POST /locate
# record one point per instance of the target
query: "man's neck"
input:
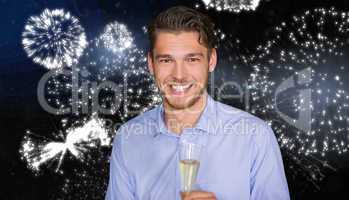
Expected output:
(176, 120)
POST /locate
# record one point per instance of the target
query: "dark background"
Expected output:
(19, 76)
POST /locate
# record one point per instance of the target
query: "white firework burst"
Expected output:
(113, 57)
(37, 151)
(232, 5)
(298, 85)
(137, 89)
(54, 39)
(300, 56)
(116, 38)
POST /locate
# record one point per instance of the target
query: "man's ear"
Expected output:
(213, 60)
(150, 63)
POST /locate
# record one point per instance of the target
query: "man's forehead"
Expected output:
(165, 33)
(178, 38)
(182, 43)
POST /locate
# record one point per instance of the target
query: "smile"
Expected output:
(180, 88)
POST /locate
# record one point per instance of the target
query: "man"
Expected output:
(240, 157)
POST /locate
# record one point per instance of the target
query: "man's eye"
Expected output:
(193, 59)
(165, 60)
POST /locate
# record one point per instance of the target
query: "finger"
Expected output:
(198, 194)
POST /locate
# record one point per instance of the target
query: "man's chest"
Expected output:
(224, 169)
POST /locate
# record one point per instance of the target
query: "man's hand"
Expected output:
(198, 195)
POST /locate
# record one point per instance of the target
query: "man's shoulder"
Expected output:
(235, 115)
(233, 120)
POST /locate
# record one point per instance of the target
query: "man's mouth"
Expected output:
(180, 88)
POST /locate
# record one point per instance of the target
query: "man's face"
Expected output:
(181, 65)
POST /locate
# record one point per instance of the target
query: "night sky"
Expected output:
(245, 39)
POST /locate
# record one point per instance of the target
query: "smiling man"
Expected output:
(240, 157)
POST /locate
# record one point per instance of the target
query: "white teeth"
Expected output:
(180, 88)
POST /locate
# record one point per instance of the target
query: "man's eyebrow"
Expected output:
(163, 56)
(187, 55)
(195, 54)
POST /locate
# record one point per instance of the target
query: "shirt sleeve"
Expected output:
(268, 180)
(120, 185)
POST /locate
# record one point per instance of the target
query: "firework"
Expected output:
(298, 85)
(232, 5)
(54, 39)
(36, 150)
(107, 78)
(122, 66)
(104, 82)
(113, 52)
(116, 38)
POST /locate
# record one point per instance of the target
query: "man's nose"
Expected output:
(179, 70)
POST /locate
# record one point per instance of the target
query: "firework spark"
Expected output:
(113, 52)
(54, 39)
(137, 88)
(100, 70)
(105, 82)
(304, 101)
(125, 66)
(37, 151)
(232, 5)
(116, 38)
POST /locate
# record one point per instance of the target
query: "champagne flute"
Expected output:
(189, 165)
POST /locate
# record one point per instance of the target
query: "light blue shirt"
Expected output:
(240, 160)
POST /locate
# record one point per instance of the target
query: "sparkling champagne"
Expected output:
(188, 170)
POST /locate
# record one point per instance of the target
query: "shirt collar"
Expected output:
(207, 116)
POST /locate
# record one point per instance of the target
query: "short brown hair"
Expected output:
(181, 18)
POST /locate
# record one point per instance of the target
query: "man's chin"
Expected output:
(180, 103)
(179, 106)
